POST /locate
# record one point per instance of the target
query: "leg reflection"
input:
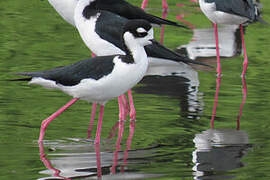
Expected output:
(244, 90)
(128, 144)
(218, 80)
(118, 146)
(48, 164)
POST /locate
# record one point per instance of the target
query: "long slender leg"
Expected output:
(218, 80)
(125, 106)
(244, 90)
(217, 50)
(47, 121)
(93, 115)
(122, 114)
(132, 106)
(245, 63)
(101, 112)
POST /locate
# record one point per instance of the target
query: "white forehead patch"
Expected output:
(141, 30)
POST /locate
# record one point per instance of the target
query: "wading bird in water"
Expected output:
(101, 78)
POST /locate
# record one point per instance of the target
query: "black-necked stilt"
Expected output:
(236, 12)
(101, 78)
(100, 30)
(66, 8)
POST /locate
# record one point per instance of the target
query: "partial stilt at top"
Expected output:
(232, 12)
(47, 121)
(245, 63)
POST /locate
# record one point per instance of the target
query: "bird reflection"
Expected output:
(88, 160)
(174, 80)
(218, 151)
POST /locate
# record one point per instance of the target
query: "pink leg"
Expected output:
(144, 4)
(47, 121)
(122, 115)
(216, 101)
(93, 114)
(164, 5)
(118, 145)
(164, 15)
(125, 105)
(243, 102)
(245, 63)
(217, 49)
(99, 171)
(132, 107)
(101, 112)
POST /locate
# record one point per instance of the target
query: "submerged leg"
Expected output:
(101, 112)
(47, 121)
(217, 50)
(93, 115)
(245, 63)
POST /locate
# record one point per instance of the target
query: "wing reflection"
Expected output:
(203, 42)
(177, 80)
(218, 151)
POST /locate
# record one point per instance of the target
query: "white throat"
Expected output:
(135, 47)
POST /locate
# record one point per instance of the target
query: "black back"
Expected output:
(71, 75)
(244, 8)
(127, 10)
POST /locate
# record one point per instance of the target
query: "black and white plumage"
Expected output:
(102, 78)
(121, 7)
(230, 11)
(100, 30)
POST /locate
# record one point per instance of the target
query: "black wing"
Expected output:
(129, 11)
(244, 8)
(71, 75)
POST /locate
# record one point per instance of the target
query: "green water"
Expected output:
(34, 37)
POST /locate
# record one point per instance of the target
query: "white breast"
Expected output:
(93, 41)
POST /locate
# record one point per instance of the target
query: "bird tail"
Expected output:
(23, 74)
